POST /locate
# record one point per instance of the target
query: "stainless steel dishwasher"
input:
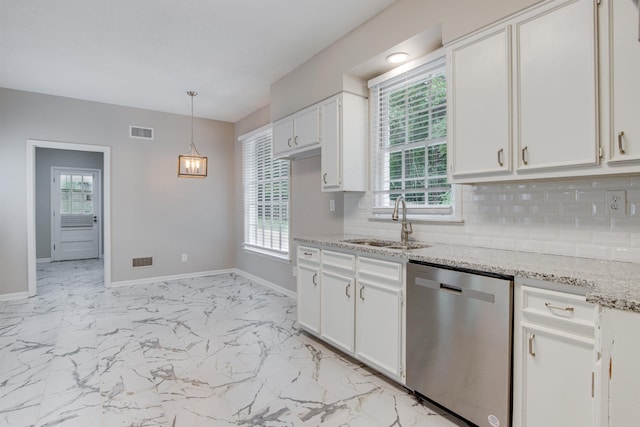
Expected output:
(459, 341)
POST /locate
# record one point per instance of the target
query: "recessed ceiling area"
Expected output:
(148, 53)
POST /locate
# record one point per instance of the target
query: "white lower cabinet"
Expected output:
(337, 310)
(620, 368)
(379, 326)
(556, 388)
(361, 308)
(555, 358)
(308, 284)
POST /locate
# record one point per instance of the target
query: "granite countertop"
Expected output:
(610, 283)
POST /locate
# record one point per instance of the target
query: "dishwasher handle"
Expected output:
(450, 288)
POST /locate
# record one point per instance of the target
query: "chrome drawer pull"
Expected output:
(346, 290)
(524, 155)
(289, 142)
(313, 279)
(555, 307)
(361, 289)
(500, 154)
(307, 254)
(531, 338)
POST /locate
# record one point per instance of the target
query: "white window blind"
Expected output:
(266, 195)
(409, 129)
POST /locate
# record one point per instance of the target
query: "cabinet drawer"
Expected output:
(308, 255)
(339, 260)
(543, 303)
(385, 271)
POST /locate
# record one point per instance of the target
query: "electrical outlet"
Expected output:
(617, 202)
(185, 257)
(332, 205)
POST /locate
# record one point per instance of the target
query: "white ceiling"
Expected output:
(148, 53)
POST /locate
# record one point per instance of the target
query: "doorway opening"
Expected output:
(79, 194)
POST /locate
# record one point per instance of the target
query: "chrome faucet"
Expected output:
(406, 226)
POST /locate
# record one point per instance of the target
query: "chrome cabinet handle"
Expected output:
(295, 140)
(555, 307)
(531, 338)
(289, 142)
(346, 290)
(307, 254)
(324, 178)
(500, 154)
(524, 155)
(361, 296)
(620, 135)
(313, 279)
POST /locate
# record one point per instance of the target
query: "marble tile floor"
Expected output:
(209, 351)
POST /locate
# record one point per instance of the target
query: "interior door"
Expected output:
(75, 208)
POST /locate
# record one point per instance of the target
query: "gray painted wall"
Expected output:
(325, 74)
(153, 212)
(45, 159)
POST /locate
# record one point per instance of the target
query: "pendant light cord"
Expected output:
(192, 94)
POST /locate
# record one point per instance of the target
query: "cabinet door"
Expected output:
(309, 298)
(307, 127)
(625, 69)
(282, 136)
(330, 151)
(338, 310)
(556, 86)
(379, 326)
(621, 370)
(557, 375)
(480, 104)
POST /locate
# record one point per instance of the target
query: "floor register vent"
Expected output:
(139, 132)
(142, 262)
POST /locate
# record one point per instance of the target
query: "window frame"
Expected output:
(264, 135)
(452, 213)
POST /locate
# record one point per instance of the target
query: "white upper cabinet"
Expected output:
(479, 77)
(624, 57)
(523, 96)
(297, 135)
(344, 143)
(556, 86)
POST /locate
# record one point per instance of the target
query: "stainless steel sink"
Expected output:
(389, 244)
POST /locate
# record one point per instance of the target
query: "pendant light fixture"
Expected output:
(192, 164)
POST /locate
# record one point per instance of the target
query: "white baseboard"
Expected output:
(43, 260)
(239, 272)
(266, 283)
(15, 295)
(156, 279)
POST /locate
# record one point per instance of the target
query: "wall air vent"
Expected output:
(142, 262)
(139, 132)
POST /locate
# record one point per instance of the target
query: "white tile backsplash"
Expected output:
(566, 217)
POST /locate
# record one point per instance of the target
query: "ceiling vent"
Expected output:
(139, 132)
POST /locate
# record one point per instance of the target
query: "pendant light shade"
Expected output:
(192, 164)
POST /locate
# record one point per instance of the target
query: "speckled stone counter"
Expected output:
(610, 283)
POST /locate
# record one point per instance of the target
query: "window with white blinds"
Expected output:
(409, 131)
(266, 195)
